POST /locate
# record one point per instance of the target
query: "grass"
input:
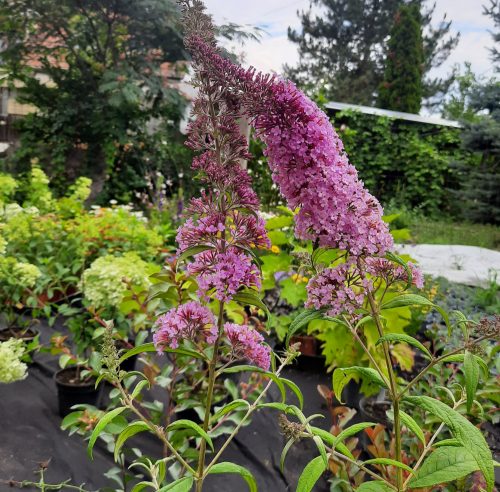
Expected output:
(427, 231)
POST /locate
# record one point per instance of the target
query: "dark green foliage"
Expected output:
(480, 195)
(493, 11)
(401, 89)
(403, 162)
(343, 49)
(96, 82)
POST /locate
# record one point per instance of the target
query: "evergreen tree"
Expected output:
(343, 47)
(401, 89)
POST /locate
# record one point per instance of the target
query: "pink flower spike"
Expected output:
(248, 343)
(190, 321)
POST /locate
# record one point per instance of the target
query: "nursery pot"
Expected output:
(310, 358)
(71, 390)
(374, 408)
(25, 334)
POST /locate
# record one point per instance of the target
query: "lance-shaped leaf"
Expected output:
(375, 486)
(287, 447)
(469, 436)
(461, 358)
(181, 485)
(105, 420)
(295, 389)
(412, 425)
(270, 375)
(302, 320)
(388, 462)
(471, 370)
(343, 375)
(402, 337)
(188, 424)
(311, 474)
(250, 298)
(150, 347)
(416, 300)
(400, 261)
(350, 431)
(229, 407)
(444, 465)
(329, 439)
(193, 250)
(129, 431)
(226, 467)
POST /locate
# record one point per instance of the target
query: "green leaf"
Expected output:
(188, 424)
(181, 485)
(288, 445)
(250, 297)
(301, 320)
(375, 486)
(278, 238)
(129, 431)
(141, 486)
(226, 467)
(402, 337)
(270, 375)
(295, 389)
(232, 405)
(469, 436)
(471, 370)
(329, 439)
(138, 388)
(400, 261)
(103, 422)
(343, 375)
(446, 442)
(311, 474)
(279, 222)
(412, 425)
(388, 462)
(445, 464)
(150, 347)
(461, 358)
(416, 300)
(193, 250)
(321, 448)
(350, 431)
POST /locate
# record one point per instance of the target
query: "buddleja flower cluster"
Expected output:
(223, 224)
(309, 165)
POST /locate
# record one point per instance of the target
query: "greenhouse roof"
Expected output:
(398, 115)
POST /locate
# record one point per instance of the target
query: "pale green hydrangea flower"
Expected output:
(3, 246)
(103, 284)
(26, 274)
(11, 367)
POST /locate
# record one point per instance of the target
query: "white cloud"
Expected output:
(276, 15)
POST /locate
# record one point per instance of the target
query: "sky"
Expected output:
(275, 16)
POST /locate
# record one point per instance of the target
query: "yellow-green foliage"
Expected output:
(38, 193)
(104, 284)
(11, 367)
(8, 186)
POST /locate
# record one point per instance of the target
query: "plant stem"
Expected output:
(155, 429)
(249, 412)
(433, 362)
(212, 376)
(393, 387)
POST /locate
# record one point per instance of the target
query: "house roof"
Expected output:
(398, 115)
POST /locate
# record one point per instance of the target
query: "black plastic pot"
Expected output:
(73, 391)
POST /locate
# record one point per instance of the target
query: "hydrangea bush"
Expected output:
(221, 241)
(11, 367)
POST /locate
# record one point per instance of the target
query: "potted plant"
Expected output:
(17, 280)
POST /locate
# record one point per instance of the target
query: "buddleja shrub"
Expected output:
(219, 241)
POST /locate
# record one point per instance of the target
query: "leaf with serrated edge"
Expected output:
(469, 436)
(105, 420)
(342, 375)
(226, 467)
(444, 465)
(311, 474)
